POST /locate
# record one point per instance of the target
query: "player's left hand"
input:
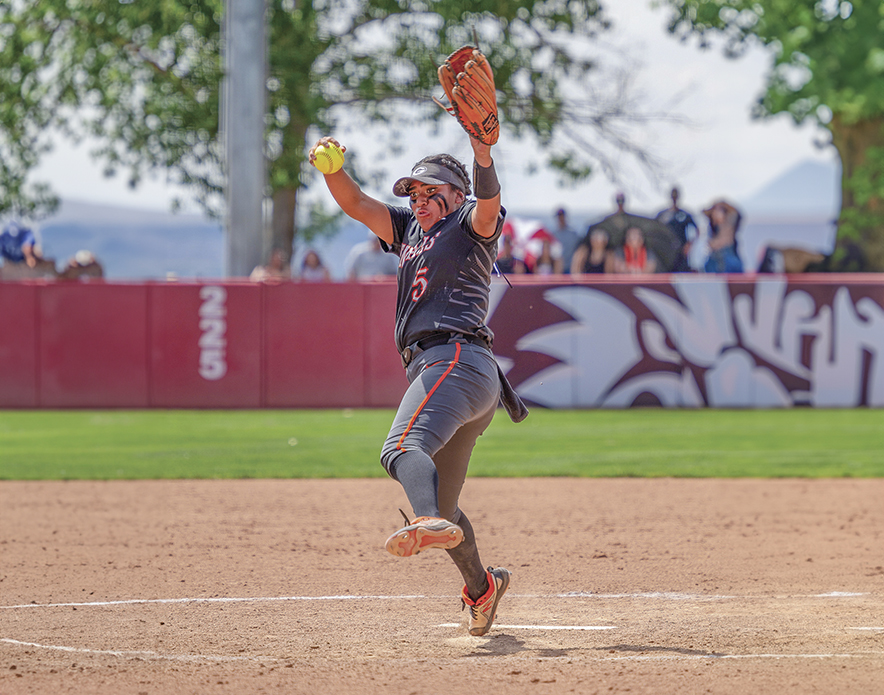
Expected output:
(481, 151)
(468, 81)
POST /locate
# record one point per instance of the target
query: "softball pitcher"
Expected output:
(447, 244)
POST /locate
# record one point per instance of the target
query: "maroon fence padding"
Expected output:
(385, 376)
(314, 345)
(206, 346)
(18, 345)
(93, 346)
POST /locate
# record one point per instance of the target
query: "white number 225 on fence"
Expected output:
(213, 324)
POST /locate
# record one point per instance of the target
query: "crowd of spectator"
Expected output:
(626, 243)
(671, 241)
(366, 261)
(278, 268)
(621, 242)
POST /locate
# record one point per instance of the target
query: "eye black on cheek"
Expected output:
(440, 201)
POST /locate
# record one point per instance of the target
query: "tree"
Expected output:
(828, 68)
(143, 78)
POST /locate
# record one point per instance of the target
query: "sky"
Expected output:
(722, 153)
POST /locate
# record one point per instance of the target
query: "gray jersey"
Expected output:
(444, 275)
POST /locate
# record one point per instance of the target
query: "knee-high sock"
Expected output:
(417, 474)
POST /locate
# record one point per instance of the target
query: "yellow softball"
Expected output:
(329, 158)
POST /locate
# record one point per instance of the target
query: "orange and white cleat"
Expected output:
(484, 608)
(424, 533)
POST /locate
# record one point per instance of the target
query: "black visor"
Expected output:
(432, 174)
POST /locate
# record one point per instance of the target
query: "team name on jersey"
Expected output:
(411, 252)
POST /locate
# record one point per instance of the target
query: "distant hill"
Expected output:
(809, 190)
(795, 208)
(135, 244)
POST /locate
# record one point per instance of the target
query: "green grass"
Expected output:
(140, 444)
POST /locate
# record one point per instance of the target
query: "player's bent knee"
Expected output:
(389, 454)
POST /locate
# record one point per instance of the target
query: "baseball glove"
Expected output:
(468, 82)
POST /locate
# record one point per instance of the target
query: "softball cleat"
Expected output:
(484, 608)
(424, 533)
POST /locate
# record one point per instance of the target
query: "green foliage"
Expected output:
(319, 222)
(346, 444)
(827, 67)
(827, 56)
(865, 186)
(143, 78)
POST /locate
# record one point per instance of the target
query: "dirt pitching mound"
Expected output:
(640, 586)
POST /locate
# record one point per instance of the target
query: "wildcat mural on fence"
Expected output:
(693, 342)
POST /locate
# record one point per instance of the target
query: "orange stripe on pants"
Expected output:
(427, 397)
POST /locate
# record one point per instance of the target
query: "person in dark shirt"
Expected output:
(593, 254)
(507, 261)
(447, 245)
(567, 237)
(682, 225)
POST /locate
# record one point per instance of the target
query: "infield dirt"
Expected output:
(283, 586)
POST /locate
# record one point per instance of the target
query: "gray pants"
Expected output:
(454, 393)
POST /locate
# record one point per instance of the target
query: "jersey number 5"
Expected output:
(419, 284)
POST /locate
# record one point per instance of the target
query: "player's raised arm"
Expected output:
(468, 81)
(487, 189)
(327, 155)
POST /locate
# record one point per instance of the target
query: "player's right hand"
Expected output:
(322, 142)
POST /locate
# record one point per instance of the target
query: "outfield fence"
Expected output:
(741, 341)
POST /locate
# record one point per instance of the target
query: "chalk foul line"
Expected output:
(138, 654)
(685, 657)
(246, 599)
(654, 595)
(155, 656)
(542, 627)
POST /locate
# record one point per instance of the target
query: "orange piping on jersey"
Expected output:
(427, 397)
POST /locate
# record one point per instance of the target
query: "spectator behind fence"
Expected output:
(683, 227)
(507, 261)
(634, 257)
(83, 265)
(567, 237)
(22, 258)
(19, 245)
(313, 269)
(724, 223)
(546, 263)
(593, 254)
(277, 268)
(368, 261)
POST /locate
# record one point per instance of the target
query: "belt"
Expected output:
(431, 341)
